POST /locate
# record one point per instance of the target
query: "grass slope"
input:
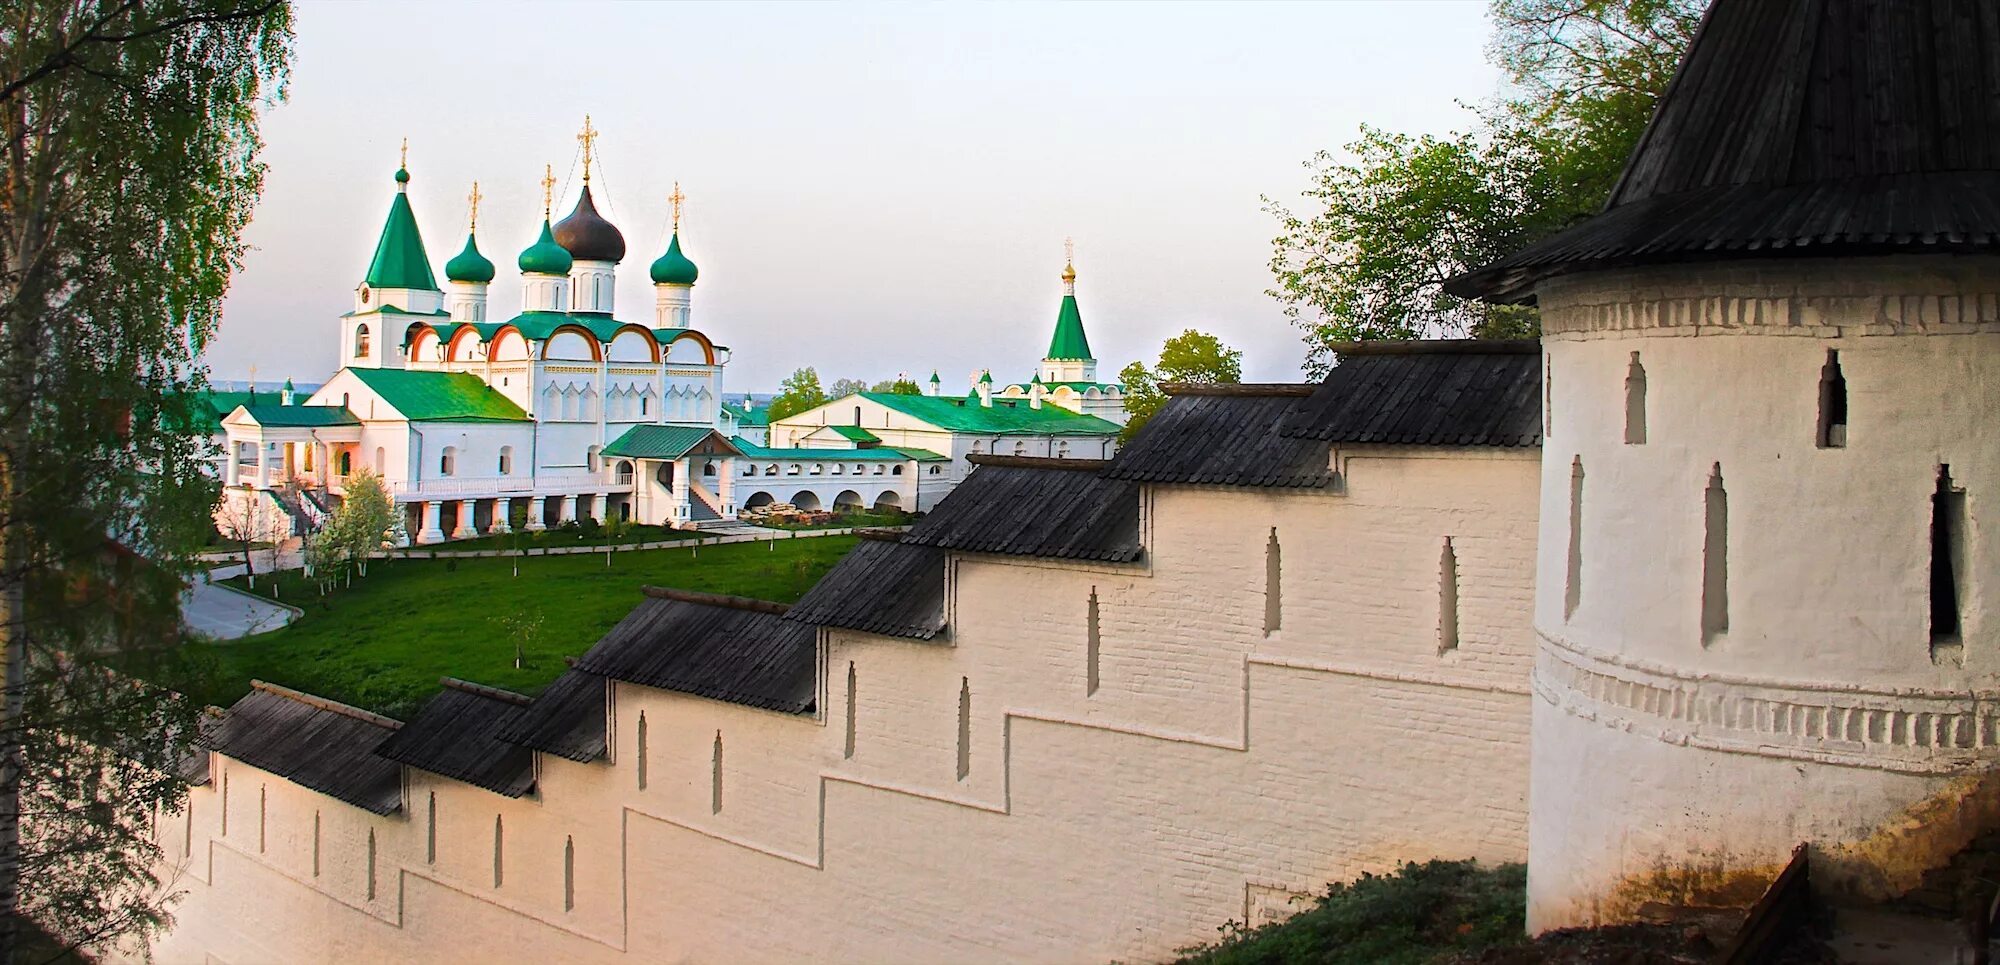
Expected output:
(383, 643)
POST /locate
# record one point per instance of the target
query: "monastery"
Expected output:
(566, 410)
(1699, 578)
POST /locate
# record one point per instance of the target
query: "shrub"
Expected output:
(1417, 914)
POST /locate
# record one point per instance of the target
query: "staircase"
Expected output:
(702, 506)
(307, 517)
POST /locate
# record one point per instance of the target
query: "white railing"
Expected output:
(473, 486)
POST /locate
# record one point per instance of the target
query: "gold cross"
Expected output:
(1069, 251)
(548, 188)
(587, 138)
(405, 162)
(474, 199)
(676, 199)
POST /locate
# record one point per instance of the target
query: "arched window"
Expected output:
(935, 470)
(448, 461)
(361, 340)
(1020, 448)
(771, 470)
(708, 468)
(818, 468)
(895, 470)
(381, 460)
(346, 461)
(590, 459)
(506, 460)
(749, 469)
(624, 470)
(878, 470)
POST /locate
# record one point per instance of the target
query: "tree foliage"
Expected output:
(128, 138)
(842, 388)
(800, 391)
(1190, 357)
(900, 385)
(1384, 225)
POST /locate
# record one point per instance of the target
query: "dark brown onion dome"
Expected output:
(587, 236)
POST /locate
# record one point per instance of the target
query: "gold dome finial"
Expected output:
(677, 199)
(548, 189)
(473, 200)
(1069, 266)
(587, 138)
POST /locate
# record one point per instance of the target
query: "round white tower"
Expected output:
(1760, 589)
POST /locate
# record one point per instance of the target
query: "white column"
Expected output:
(229, 461)
(433, 531)
(568, 512)
(682, 512)
(464, 529)
(535, 511)
(502, 508)
(726, 489)
(263, 464)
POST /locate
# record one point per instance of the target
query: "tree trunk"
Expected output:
(13, 652)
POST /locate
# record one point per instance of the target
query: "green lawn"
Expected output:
(383, 643)
(574, 536)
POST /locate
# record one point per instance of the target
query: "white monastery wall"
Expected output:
(1214, 770)
(1678, 760)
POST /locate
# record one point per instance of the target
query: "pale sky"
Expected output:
(873, 188)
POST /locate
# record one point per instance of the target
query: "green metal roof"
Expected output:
(469, 264)
(1069, 342)
(545, 257)
(855, 434)
(1006, 417)
(393, 310)
(755, 451)
(400, 259)
(658, 442)
(922, 455)
(214, 404)
(674, 268)
(752, 416)
(274, 416)
(440, 396)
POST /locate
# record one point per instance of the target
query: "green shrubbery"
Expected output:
(1419, 914)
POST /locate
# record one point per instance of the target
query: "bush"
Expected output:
(1418, 914)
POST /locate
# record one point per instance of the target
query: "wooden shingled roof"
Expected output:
(1799, 128)
(883, 586)
(313, 742)
(723, 648)
(1226, 436)
(1443, 393)
(566, 720)
(1026, 506)
(457, 735)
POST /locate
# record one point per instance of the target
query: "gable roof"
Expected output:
(457, 735)
(566, 719)
(313, 742)
(874, 454)
(722, 648)
(882, 585)
(668, 442)
(275, 416)
(440, 396)
(1802, 128)
(400, 259)
(213, 405)
(1003, 418)
(1440, 393)
(1021, 506)
(852, 433)
(1226, 435)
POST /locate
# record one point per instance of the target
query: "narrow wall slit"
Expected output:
(1832, 433)
(1447, 598)
(1091, 644)
(964, 727)
(1573, 574)
(431, 830)
(848, 751)
(1714, 559)
(498, 841)
(1548, 398)
(641, 751)
(1947, 568)
(260, 818)
(569, 873)
(1635, 403)
(315, 844)
(1273, 570)
(371, 864)
(715, 778)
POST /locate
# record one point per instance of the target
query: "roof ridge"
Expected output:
(482, 690)
(1440, 346)
(322, 703)
(1241, 389)
(1035, 462)
(715, 599)
(880, 535)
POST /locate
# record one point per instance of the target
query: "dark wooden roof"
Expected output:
(1446, 393)
(883, 586)
(313, 742)
(1226, 436)
(1019, 506)
(722, 648)
(1802, 127)
(566, 720)
(457, 735)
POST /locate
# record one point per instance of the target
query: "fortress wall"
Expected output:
(1215, 772)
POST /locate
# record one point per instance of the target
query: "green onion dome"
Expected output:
(469, 265)
(402, 175)
(674, 268)
(545, 257)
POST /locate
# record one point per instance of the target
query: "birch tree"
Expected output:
(128, 168)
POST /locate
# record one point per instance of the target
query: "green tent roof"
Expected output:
(440, 396)
(1069, 342)
(400, 259)
(274, 416)
(1006, 417)
(658, 442)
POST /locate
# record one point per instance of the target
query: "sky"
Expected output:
(873, 189)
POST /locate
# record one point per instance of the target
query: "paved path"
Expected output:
(221, 613)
